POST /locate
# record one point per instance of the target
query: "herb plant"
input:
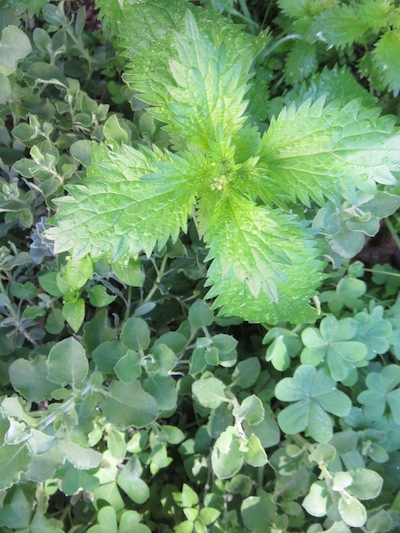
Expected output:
(126, 403)
(239, 186)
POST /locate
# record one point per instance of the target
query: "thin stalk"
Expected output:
(393, 232)
(280, 41)
(158, 279)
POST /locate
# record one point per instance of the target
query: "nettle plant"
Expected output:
(252, 196)
(150, 413)
(366, 30)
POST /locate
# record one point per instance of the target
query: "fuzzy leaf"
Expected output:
(207, 99)
(14, 45)
(253, 276)
(13, 461)
(315, 152)
(375, 14)
(67, 363)
(129, 202)
(300, 62)
(386, 59)
(150, 32)
(129, 405)
(339, 26)
(333, 84)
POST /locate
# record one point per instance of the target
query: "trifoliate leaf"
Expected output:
(314, 394)
(324, 152)
(333, 343)
(386, 59)
(129, 202)
(252, 275)
(382, 389)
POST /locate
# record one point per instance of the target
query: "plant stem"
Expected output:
(158, 279)
(393, 232)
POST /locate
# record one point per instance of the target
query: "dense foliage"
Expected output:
(223, 163)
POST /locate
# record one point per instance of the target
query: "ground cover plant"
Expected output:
(186, 341)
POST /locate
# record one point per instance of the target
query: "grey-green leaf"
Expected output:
(67, 363)
(129, 405)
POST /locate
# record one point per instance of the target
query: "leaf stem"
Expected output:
(157, 280)
(280, 41)
(393, 232)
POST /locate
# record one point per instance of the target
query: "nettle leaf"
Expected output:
(316, 151)
(314, 395)
(333, 343)
(170, 28)
(192, 66)
(382, 391)
(339, 26)
(152, 195)
(333, 84)
(252, 274)
(300, 62)
(386, 60)
(207, 101)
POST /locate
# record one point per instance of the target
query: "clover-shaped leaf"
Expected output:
(332, 343)
(381, 391)
(373, 331)
(314, 393)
